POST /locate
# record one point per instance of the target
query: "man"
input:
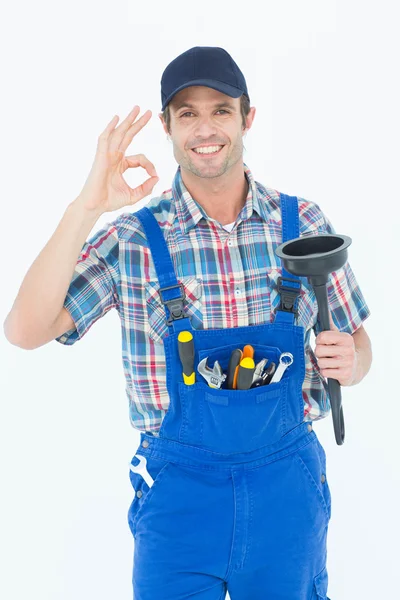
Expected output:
(231, 492)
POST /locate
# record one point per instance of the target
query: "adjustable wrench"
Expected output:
(141, 468)
(215, 377)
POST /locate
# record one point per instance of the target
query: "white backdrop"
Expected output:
(323, 77)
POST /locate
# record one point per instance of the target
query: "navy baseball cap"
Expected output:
(203, 65)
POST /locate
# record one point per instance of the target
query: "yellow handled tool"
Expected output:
(186, 354)
(245, 373)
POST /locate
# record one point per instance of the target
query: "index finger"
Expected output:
(134, 129)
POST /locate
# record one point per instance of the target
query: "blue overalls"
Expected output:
(235, 496)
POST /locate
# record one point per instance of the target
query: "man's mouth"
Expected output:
(208, 150)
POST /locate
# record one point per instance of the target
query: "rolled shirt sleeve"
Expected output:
(93, 290)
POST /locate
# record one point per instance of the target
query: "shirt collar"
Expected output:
(189, 212)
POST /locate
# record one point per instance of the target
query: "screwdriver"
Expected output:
(233, 366)
(235, 358)
(245, 373)
(186, 354)
(248, 350)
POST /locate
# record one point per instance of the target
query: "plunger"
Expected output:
(315, 257)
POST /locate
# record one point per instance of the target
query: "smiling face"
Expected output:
(202, 116)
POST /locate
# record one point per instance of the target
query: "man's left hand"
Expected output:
(337, 355)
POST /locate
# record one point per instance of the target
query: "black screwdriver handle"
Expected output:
(245, 373)
(186, 354)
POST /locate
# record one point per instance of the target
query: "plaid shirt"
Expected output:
(230, 280)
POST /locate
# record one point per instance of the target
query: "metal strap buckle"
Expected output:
(175, 305)
(288, 295)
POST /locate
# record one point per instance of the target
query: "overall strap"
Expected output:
(171, 292)
(289, 285)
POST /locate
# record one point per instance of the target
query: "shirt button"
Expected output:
(230, 243)
(309, 427)
(238, 292)
(323, 478)
(139, 493)
(145, 444)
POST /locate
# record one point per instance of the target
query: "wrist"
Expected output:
(80, 204)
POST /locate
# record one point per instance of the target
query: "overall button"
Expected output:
(309, 427)
(145, 443)
(323, 478)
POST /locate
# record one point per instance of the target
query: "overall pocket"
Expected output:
(311, 460)
(145, 492)
(223, 354)
(232, 421)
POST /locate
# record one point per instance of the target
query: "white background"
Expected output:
(322, 76)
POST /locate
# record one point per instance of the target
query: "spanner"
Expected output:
(215, 376)
(285, 360)
(141, 468)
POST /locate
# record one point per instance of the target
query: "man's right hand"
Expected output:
(105, 189)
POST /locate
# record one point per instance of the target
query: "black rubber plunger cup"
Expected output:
(315, 257)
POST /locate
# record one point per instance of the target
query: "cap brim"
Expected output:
(229, 90)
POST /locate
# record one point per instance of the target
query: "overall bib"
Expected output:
(235, 497)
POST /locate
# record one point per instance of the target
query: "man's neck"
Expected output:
(223, 197)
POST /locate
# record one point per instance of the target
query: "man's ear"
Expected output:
(163, 123)
(250, 118)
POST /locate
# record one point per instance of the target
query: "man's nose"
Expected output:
(205, 127)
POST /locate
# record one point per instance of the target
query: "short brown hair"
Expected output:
(244, 109)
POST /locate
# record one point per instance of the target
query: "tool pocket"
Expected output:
(311, 460)
(232, 421)
(320, 588)
(144, 493)
(223, 353)
(192, 303)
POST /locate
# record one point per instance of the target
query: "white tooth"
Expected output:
(208, 150)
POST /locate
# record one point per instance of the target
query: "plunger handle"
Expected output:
(335, 394)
